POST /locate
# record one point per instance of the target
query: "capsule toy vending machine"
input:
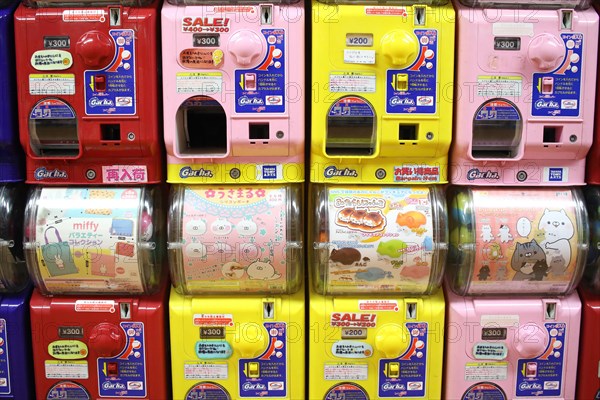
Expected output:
(525, 100)
(98, 316)
(234, 134)
(381, 116)
(16, 367)
(88, 91)
(513, 318)
(588, 379)
(237, 306)
(233, 89)
(11, 168)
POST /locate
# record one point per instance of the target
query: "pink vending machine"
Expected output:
(526, 78)
(233, 81)
(512, 323)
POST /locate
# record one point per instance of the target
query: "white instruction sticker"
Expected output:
(199, 370)
(495, 86)
(51, 84)
(66, 369)
(352, 82)
(359, 56)
(346, 372)
(490, 371)
(199, 82)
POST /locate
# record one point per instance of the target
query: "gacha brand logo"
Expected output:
(113, 386)
(530, 386)
(96, 102)
(332, 171)
(401, 101)
(542, 104)
(188, 172)
(254, 386)
(392, 386)
(250, 101)
(475, 173)
(43, 173)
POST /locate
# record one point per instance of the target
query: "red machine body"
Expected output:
(88, 94)
(88, 347)
(588, 376)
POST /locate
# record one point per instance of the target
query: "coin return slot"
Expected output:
(401, 82)
(393, 370)
(259, 131)
(547, 85)
(268, 310)
(100, 83)
(53, 137)
(115, 16)
(253, 370)
(125, 309)
(112, 369)
(407, 132)
(110, 132)
(411, 310)
(266, 14)
(419, 15)
(566, 22)
(552, 134)
(202, 128)
(550, 311)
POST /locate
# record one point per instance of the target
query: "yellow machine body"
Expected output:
(375, 347)
(382, 93)
(237, 347)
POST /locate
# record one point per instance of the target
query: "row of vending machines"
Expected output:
(374, 280)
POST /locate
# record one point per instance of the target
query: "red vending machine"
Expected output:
(88, 91)
(98, 316)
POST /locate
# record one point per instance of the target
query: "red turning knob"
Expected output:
(96, 49)
(107, 340)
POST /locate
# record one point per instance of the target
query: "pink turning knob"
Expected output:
(107, 340)
(546, 51)
(245, 47)
(96, 49)
(531, 341)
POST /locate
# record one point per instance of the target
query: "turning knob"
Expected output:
(400, 47)
(546, 51)
(96, 49)
(245, 47)
(390, 341)
(107, 340)
(251, 341)
(531, 341)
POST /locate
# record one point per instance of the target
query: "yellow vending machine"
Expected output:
(376, 311)
(237, 306)
(382, 77)
(382, 83)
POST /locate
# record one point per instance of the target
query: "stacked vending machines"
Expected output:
(234, 131)
(524, 117)
(381, 117)
(94, 235)
(15, 348)
(588, 378)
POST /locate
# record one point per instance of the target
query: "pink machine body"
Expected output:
(525, 96)
(233, 81)
(540, 337)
